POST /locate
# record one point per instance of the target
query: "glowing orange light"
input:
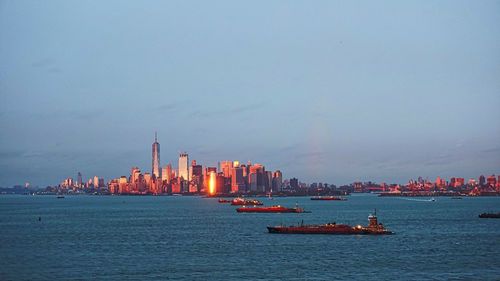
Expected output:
(211, 183)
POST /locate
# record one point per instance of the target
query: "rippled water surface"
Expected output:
(194, 238)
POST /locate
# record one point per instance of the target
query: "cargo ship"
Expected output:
(244, 202)
(329, 198)
(373, 228)
(272, 209)
(490, 215)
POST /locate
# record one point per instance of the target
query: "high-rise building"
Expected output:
(184, 166)
(212, 182)
(156, 159)
(79, 180)
(252, 182)
(277, 181)
(166, 173)
(268, 181)
(196, 173)
(134, 174)
(257, 178)
(148, 180)
(491, 181)
(226, 167)
(237, 180)
(96, 182)
(482, 180)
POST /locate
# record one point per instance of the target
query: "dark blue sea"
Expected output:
(195, 238)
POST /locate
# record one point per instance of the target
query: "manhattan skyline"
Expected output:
(353, 93)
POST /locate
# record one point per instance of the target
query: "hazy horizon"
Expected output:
(326, 91)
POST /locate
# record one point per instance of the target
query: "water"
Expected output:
(194, 238)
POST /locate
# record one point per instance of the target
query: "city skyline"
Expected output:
(233, 177)
(330, 92)
(183, 164)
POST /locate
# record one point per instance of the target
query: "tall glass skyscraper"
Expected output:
(156, 170)
(183, 166)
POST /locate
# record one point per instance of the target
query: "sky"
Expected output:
(325, 91)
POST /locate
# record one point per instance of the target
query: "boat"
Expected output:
(373, 228)
(243, 202)
(432, 199)
(456, 197)
(60, 197)
(272, 209)
(490, 215)
(222, 200)
(329, 198)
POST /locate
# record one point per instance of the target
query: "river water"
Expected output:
(195, 238)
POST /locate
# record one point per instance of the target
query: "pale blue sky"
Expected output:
(325, 91)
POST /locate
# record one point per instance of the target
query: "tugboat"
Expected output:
(243, 202)
(373, 228)
(222, 200)
(490, 215)
(272, 209)
(329, 198)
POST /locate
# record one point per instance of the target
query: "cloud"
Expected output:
(54, 70)
(75, 115)
(43, 63)
(47, 64)
(11, 154)
(228, 111)
(491, 150)
(167, 107)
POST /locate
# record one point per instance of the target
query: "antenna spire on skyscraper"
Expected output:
(156, 137)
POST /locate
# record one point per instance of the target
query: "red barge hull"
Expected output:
(277, 209)
(338, 230)
(373, 228)
(329, 198)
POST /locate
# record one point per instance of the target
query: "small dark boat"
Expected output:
(60, 197)
(490, 215)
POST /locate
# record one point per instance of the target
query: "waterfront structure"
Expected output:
(183, 166)
(155, 166)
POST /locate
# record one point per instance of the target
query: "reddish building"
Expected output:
(491, 181)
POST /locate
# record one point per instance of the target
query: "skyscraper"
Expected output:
(183, 166)
(156, 158)
(277, 181)
(79, 180)
(237, 180)
(166, 173)
(226, 167)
